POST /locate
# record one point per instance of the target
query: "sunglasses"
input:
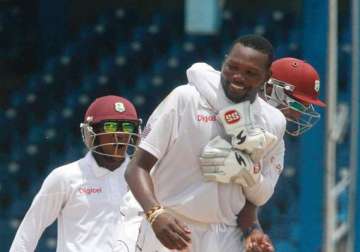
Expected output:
(118, 126)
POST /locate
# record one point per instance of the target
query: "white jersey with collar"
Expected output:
(85, 199)
(176, 134)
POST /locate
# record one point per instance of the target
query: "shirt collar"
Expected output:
(101, 171)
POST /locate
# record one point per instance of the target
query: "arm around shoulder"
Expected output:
(271, 168)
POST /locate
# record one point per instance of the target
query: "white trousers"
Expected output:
(126, 235)
(204, 238)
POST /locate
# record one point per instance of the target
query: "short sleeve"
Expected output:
(162, 128)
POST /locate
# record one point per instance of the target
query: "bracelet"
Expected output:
(153, 213)
(249, 230)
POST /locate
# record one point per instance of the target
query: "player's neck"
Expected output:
(110, 163)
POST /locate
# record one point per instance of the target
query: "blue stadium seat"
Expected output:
(19, 207)
(284, 246)
(47, 243)
(8, 192)
(124, 20)
(6, 234)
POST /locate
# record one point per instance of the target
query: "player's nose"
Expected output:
(122, 137)
(238, 78)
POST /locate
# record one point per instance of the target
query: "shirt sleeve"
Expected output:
(161, 130)
(272, 166)
(43, 211)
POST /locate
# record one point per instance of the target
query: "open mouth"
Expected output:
(237, 89)
(236, 86)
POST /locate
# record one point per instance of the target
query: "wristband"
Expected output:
(249, 230)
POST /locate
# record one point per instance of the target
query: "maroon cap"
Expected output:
(302, 76)
(110, 107)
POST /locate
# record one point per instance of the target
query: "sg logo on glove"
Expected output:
(240, 160)
(221, 163)
(241, 138)
(232, 116)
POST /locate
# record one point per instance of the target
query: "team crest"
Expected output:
(317, 86)
(119, 107)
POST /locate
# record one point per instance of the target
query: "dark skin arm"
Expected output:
(257, 241)
(171, 232)
(138, 178)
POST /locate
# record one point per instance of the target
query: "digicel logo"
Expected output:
(90, 190)
(232, 116)
(206, 118)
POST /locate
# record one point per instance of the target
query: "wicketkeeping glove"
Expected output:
(238, 121)
(221, 163)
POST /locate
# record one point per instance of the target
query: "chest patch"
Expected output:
(205, 118)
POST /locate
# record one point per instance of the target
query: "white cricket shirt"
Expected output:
(85, 199)
(176, 134)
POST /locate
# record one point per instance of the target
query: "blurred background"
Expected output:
(57, 56)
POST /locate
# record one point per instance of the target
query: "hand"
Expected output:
(220, 163)
(238, 121)
(257, 142)
(171, 232)
(257, 241)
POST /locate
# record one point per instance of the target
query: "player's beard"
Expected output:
(249, 95)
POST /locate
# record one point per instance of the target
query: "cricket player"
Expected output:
(293, 88)
(186, 209)
(85, 196)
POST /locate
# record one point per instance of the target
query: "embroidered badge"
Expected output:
(119, 107)
(317, 86)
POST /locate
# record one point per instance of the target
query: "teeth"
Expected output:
(237, 87)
